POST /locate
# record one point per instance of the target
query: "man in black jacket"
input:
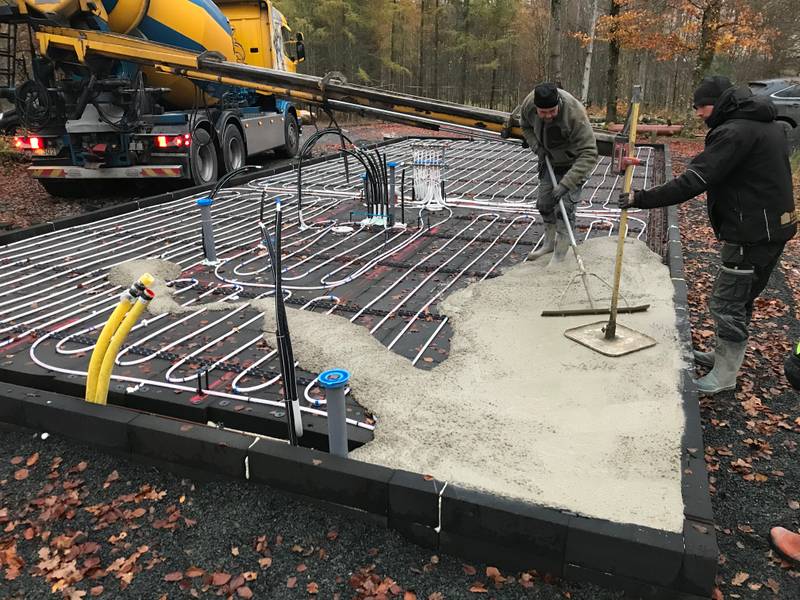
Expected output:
(746, 175)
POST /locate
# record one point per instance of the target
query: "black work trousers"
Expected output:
(742, 277)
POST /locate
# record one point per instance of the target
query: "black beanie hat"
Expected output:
(791, 367)
(710, 89)
(545, 95)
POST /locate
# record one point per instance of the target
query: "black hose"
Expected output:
(403, 197)
(284, 342)
(228, 176)
(305, 152)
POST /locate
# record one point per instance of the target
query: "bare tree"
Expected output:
(613, 67)
(587, 63)
(555, 41)
(421, 70)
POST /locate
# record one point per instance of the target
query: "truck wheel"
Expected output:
(203, 158)
(233, 153)
(291, 134)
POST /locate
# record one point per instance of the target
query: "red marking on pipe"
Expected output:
(21, 342)
(198, 398)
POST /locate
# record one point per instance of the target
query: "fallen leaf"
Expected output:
(493, 573)
(96, 590)
(235, 551)
(291, 583)
(312, 588)
(220, 579)
(469, 570)
(17, 460)
(773, 585)
(32, 459)
(478, 588)
(139, 512)
(21, 474)
(409, 596)
(332, 535)
(794, 504)
(174, 576)
(301, 568)
(245, 592)
(265, 563)
(740, 578)
(193, 572)
(250, 575)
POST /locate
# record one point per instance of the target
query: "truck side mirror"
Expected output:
(301, 48)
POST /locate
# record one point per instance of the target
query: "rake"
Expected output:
(582, 272)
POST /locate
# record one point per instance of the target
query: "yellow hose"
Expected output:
(126, 301)
(104, 378)
(101, 346)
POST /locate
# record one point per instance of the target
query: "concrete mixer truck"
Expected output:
(104, 118)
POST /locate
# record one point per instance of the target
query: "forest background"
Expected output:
(492, 52)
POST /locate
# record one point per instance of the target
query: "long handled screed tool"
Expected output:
(582, 273)
(613, 339)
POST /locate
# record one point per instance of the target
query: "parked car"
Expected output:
(785, 93)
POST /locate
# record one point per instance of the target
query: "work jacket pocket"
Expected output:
(733, 285)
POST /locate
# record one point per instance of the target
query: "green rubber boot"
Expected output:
(704, 358)
(728, 359)
(548, 243)
(562, 246)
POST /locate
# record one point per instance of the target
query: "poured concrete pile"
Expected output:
(518, 409)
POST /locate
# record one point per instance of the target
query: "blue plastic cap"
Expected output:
(205, 202)
(334, 378)
(392, 165)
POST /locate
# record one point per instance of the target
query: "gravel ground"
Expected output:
(78, 523)
(101, 525)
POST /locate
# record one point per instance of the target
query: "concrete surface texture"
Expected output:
(518, 409)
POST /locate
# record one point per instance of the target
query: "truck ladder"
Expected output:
(8, 55)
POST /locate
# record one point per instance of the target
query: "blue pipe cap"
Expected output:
(334, 378)
(205, 202)
(391, 165)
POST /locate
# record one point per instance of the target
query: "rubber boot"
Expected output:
(548, 243)
(562, 246)
(705, 359)
(728, 358)
(786, 542)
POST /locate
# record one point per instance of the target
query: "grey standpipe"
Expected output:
(334, 383)
(208, 230)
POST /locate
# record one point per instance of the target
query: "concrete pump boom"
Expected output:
(320, 91)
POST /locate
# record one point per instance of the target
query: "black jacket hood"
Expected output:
(740, 103)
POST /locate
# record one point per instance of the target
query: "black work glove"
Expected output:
(629, 200)
(560, 191)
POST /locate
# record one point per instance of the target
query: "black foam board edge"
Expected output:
(320, 475)
(537, 536)
(624, 550)
(633, 588)
(197, 446)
